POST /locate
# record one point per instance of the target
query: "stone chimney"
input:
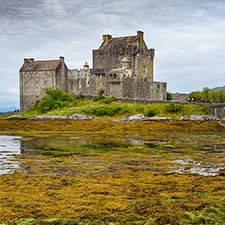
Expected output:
(86, 66)
(61, 58)
(28, 60)
(140, 35)
(106, 37)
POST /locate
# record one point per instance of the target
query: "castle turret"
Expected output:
(63, 78)
(86, 66)
(125, 62)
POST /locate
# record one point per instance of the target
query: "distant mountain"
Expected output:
(180, 97)
(8, 109)
(218, 88)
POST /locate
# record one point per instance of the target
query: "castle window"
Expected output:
(114, 76)
(144, 69)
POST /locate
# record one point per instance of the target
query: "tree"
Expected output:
(54, 98)
(195, 96)
(169, 96)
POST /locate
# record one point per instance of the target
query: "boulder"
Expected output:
(80, 117)
(136, 117)
(16, 117)
(199, 118)
(156, 118)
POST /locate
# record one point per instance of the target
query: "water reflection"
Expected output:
(172, 153)
(9, 148)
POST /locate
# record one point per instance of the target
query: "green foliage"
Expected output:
(209, 215)
(59, 103)
(54, 99)
(208, 95)
(169, 96)
(206, 109)
(195, 96)
(109, 100)
(174, 108)
(151, 112)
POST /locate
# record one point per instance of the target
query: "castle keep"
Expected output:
(122, 67)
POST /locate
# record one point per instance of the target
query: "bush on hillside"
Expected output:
(169, 96)
(151, 112)
(173, 108)
(54, 99)
(109, 100)
(207, 96)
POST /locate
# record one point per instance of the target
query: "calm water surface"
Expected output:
(9, 148)
(202, 154)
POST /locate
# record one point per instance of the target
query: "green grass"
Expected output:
(111, 107)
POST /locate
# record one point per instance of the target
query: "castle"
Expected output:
(122, 67)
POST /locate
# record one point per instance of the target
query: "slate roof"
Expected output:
(48, 65)
(121, 42)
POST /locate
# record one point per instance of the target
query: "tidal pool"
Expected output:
(9, 148)
(98, 154)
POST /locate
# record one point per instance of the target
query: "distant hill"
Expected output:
(181, 97)
(4, 110)
(218, 88)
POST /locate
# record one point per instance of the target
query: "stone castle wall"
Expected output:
(33, 86)
(128, 87)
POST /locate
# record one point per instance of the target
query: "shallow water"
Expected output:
(97, 154)
(9, 148)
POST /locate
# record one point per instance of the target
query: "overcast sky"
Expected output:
(188, 36)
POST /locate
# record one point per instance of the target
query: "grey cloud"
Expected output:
(188, 36)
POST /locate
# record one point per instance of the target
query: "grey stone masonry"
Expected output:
(122, 67)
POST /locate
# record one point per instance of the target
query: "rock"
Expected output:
(45, 118)
(80, 117)
(16, 117)
(136, 117)
(156, 118)
(199, 118)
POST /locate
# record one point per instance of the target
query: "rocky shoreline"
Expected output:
(132, 118)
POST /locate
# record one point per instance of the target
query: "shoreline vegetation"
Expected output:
(58, 126)
(69, 184)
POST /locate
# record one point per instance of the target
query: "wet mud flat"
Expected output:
(137, 175)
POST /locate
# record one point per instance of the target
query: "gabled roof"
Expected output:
(121, 42)
(48, 65)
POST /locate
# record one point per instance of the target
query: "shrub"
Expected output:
(169, 96)
(114, 110)
(96, 98)
(173, 108)
(102, 111)
(151, 112)
(54, 99)
(109, 100)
